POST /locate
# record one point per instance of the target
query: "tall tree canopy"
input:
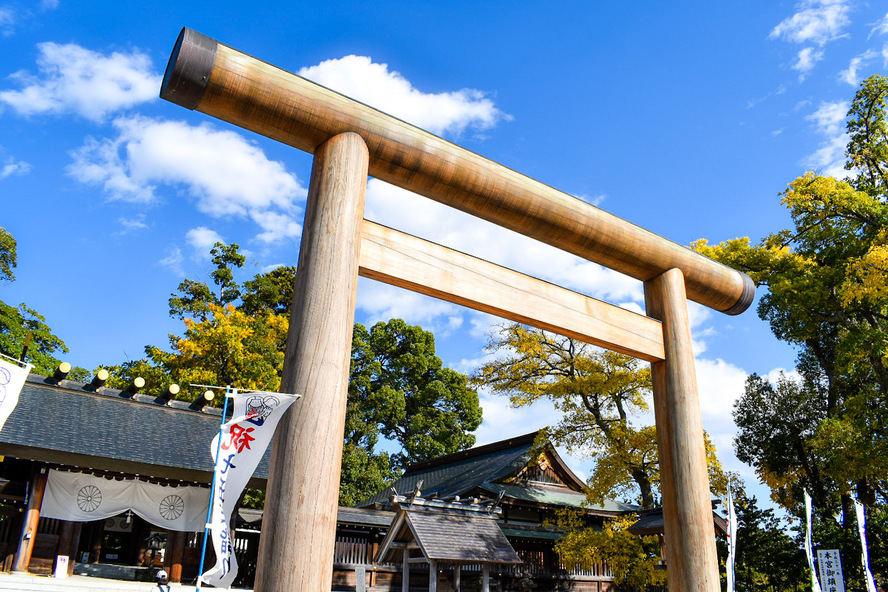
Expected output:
(827, 295)
(404, 406)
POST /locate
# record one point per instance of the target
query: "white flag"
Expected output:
(244, 440)
(732, 541)
(815, 583)
(13, 375)
(861, 528)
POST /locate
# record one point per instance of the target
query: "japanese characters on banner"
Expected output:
(830, 563)
(243, 442)
(861, 529)
(815, 584)
(79, 497)
(12, 378)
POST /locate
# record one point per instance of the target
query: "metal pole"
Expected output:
(229, 392)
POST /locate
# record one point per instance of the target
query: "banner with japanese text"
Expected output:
(13, 375)
(244, 439)
(830, 563)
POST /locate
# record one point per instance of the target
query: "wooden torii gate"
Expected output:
(350, 141)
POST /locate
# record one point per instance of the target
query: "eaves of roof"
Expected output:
(68, 423)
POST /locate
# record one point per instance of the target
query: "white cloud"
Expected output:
(202, 239)
(808, 58)
(12, 167)
(720, 384)
(173, 261)
(850, 75)
(49, 4)
(829, 120)
(416, 215)
(816, 21)
(131, 224)
(881, 27)
(377, 86)
(502, 421)
(76, 80)
(7, 21)
(224, 173)
(382, 302)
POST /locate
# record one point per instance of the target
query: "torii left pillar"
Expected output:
(299, 525)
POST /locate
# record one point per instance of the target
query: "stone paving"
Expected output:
(29, 583)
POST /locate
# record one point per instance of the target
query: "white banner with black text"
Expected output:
(244, 439)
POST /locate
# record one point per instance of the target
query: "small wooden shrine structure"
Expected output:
(445, 533)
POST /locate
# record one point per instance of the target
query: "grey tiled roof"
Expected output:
(555, 497)
(461, 538)
(461, 473)
(67, 423)
(483, 469)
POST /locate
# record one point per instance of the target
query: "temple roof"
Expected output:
(446, 532)
(70, 423)
(494, 468)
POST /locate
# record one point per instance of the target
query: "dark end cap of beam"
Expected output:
(746, 297)
(188, 70)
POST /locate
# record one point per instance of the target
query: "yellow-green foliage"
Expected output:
(633, 559)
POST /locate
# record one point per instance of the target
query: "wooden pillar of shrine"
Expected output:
(28, 534)
(687, 511)
(299, 527)
(175, 555)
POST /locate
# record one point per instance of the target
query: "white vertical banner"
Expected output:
(815, 583)
(13, 375)
(730, 568)
(861, 529)
(243, 442)
(831, 577)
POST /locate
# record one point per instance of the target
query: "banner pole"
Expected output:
(203, 552)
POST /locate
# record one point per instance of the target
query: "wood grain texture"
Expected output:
(409, 262)
(255, 95)
(298, 529)
(684, 479)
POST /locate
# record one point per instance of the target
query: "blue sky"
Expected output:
(685, 118)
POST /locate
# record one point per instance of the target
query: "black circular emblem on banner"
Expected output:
(89, 498)
(171, 507)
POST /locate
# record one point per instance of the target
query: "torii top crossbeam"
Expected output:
(225, 83)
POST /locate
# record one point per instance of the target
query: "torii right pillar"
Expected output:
(684, 479)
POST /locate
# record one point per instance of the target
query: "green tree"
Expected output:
(194, 297)
(403, 392)
(401, 396)
(225, 348)
(598, 393)
(827, 295)
(635, 560)
(8, 258)
(768, 558)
